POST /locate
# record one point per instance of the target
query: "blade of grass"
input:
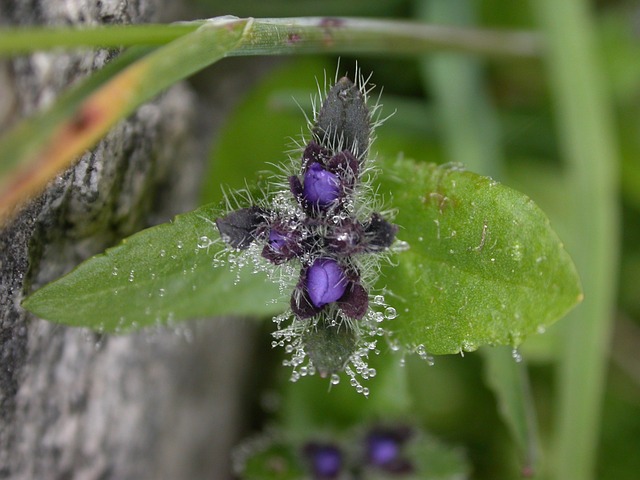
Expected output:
(14, 41)
(72, 127)
(472, 135)
(586, 128)
(290, 35)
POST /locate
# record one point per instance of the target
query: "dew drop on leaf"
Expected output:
(390, 313)
(516, 355)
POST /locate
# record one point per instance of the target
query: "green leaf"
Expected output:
(159, 276)
(509, 381)
(483, 267)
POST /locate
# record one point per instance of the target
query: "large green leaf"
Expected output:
(483, 264)
(483, 267)
(161, 275)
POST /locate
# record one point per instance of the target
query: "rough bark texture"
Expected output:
(74, 404)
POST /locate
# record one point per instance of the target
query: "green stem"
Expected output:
(586, 128)
(271, 36)
(14, 41)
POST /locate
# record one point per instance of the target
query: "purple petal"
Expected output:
(283, 243)
(296, 187)
(345, 165)
(278, 240)
(321, 187)
(325, 282)
(325, 460)
(314, 153)
(302, 306)
(355, 301)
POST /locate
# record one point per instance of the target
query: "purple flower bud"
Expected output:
(326, 282)
(345, 165)
(283, 243)
(321, 188)
(325, 460)
(277, 240)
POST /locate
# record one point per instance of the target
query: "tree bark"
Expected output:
(75, 404)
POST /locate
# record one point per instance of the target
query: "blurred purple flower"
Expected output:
(325, 460)
(384, 449)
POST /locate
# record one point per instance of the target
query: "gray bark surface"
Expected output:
(74, 404)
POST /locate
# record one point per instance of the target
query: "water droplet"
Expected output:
(163, 253)
(541, 329)
(180, 245)
(390, 313)
(400, 246)
(516, 252)
(131, 275)
(335, 379)
(516, 355)
(161, 292)
(378, 300)
(114, 272)
(204, 242)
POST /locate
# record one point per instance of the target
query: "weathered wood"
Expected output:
(73, 404)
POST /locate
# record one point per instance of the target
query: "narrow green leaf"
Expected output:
(161, 275)
(483, 264)
(14, 41)
(587, 133)
(509, 380)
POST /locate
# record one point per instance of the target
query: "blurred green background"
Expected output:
(564, 129)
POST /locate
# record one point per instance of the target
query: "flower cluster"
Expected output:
(380, 451)
(322, 222)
